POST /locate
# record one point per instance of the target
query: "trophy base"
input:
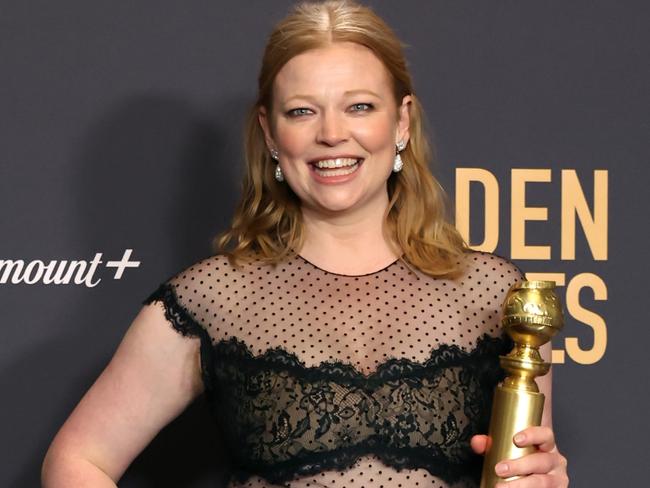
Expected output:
(512, 411)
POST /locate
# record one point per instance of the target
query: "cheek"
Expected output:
(292, 140)
(376, 134)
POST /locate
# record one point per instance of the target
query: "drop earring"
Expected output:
(398, 164)
(278, 171)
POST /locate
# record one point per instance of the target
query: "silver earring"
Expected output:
(278, 173)
(398, 164)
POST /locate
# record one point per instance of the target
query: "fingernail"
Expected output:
(519, 438)
(501, 468)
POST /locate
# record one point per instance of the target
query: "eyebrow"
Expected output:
(347, 93)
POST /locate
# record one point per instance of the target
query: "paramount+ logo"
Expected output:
(63, 272)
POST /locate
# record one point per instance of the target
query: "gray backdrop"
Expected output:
(120, 129)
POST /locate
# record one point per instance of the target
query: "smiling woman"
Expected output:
(345, 115)
(343, 334)
(334, 84)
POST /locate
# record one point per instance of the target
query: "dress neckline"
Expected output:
(350, 275)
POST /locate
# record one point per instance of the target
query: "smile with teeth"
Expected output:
(336, 167)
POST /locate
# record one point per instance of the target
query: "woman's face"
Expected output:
(335, 123)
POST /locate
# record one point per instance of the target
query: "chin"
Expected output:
(341, 201)
(336, 207)
(332, 205)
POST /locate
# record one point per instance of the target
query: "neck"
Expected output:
(351, 242)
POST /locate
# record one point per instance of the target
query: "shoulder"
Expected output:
(483, 268)
(485, 281)
(202, 271)
(189, 295)
(207, 277)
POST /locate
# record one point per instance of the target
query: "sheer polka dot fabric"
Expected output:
(365, 332)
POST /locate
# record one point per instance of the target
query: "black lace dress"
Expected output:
(320, 379)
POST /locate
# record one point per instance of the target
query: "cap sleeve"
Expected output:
(179, 296)
(185, 298)
(175, 313)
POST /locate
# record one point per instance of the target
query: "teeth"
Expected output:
(337, 172)
(336, 163)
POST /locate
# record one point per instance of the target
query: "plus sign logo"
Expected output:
(63, 272)
(124, 263)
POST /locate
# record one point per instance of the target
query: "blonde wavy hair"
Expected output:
(267, 223)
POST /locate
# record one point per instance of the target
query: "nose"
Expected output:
(332, 129)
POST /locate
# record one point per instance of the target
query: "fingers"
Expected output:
(479, 443)
(536, 481)
(540, 469)
(536, 463)
(542, 437)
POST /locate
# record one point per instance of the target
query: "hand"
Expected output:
(546, 468)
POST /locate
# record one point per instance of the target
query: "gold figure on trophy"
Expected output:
(532, 315)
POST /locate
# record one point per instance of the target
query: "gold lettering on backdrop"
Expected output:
(594, 225)
(520, 214)
(593, 221)
(593, 320)
(464, 178)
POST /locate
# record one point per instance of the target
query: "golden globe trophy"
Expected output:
(532, 315)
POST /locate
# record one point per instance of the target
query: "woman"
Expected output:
(344, 335)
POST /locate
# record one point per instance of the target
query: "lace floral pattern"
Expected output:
(283, 419)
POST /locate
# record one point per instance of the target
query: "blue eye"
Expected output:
(297, 112)
(361, 107)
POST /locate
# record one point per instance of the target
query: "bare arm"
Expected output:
(153, 376)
